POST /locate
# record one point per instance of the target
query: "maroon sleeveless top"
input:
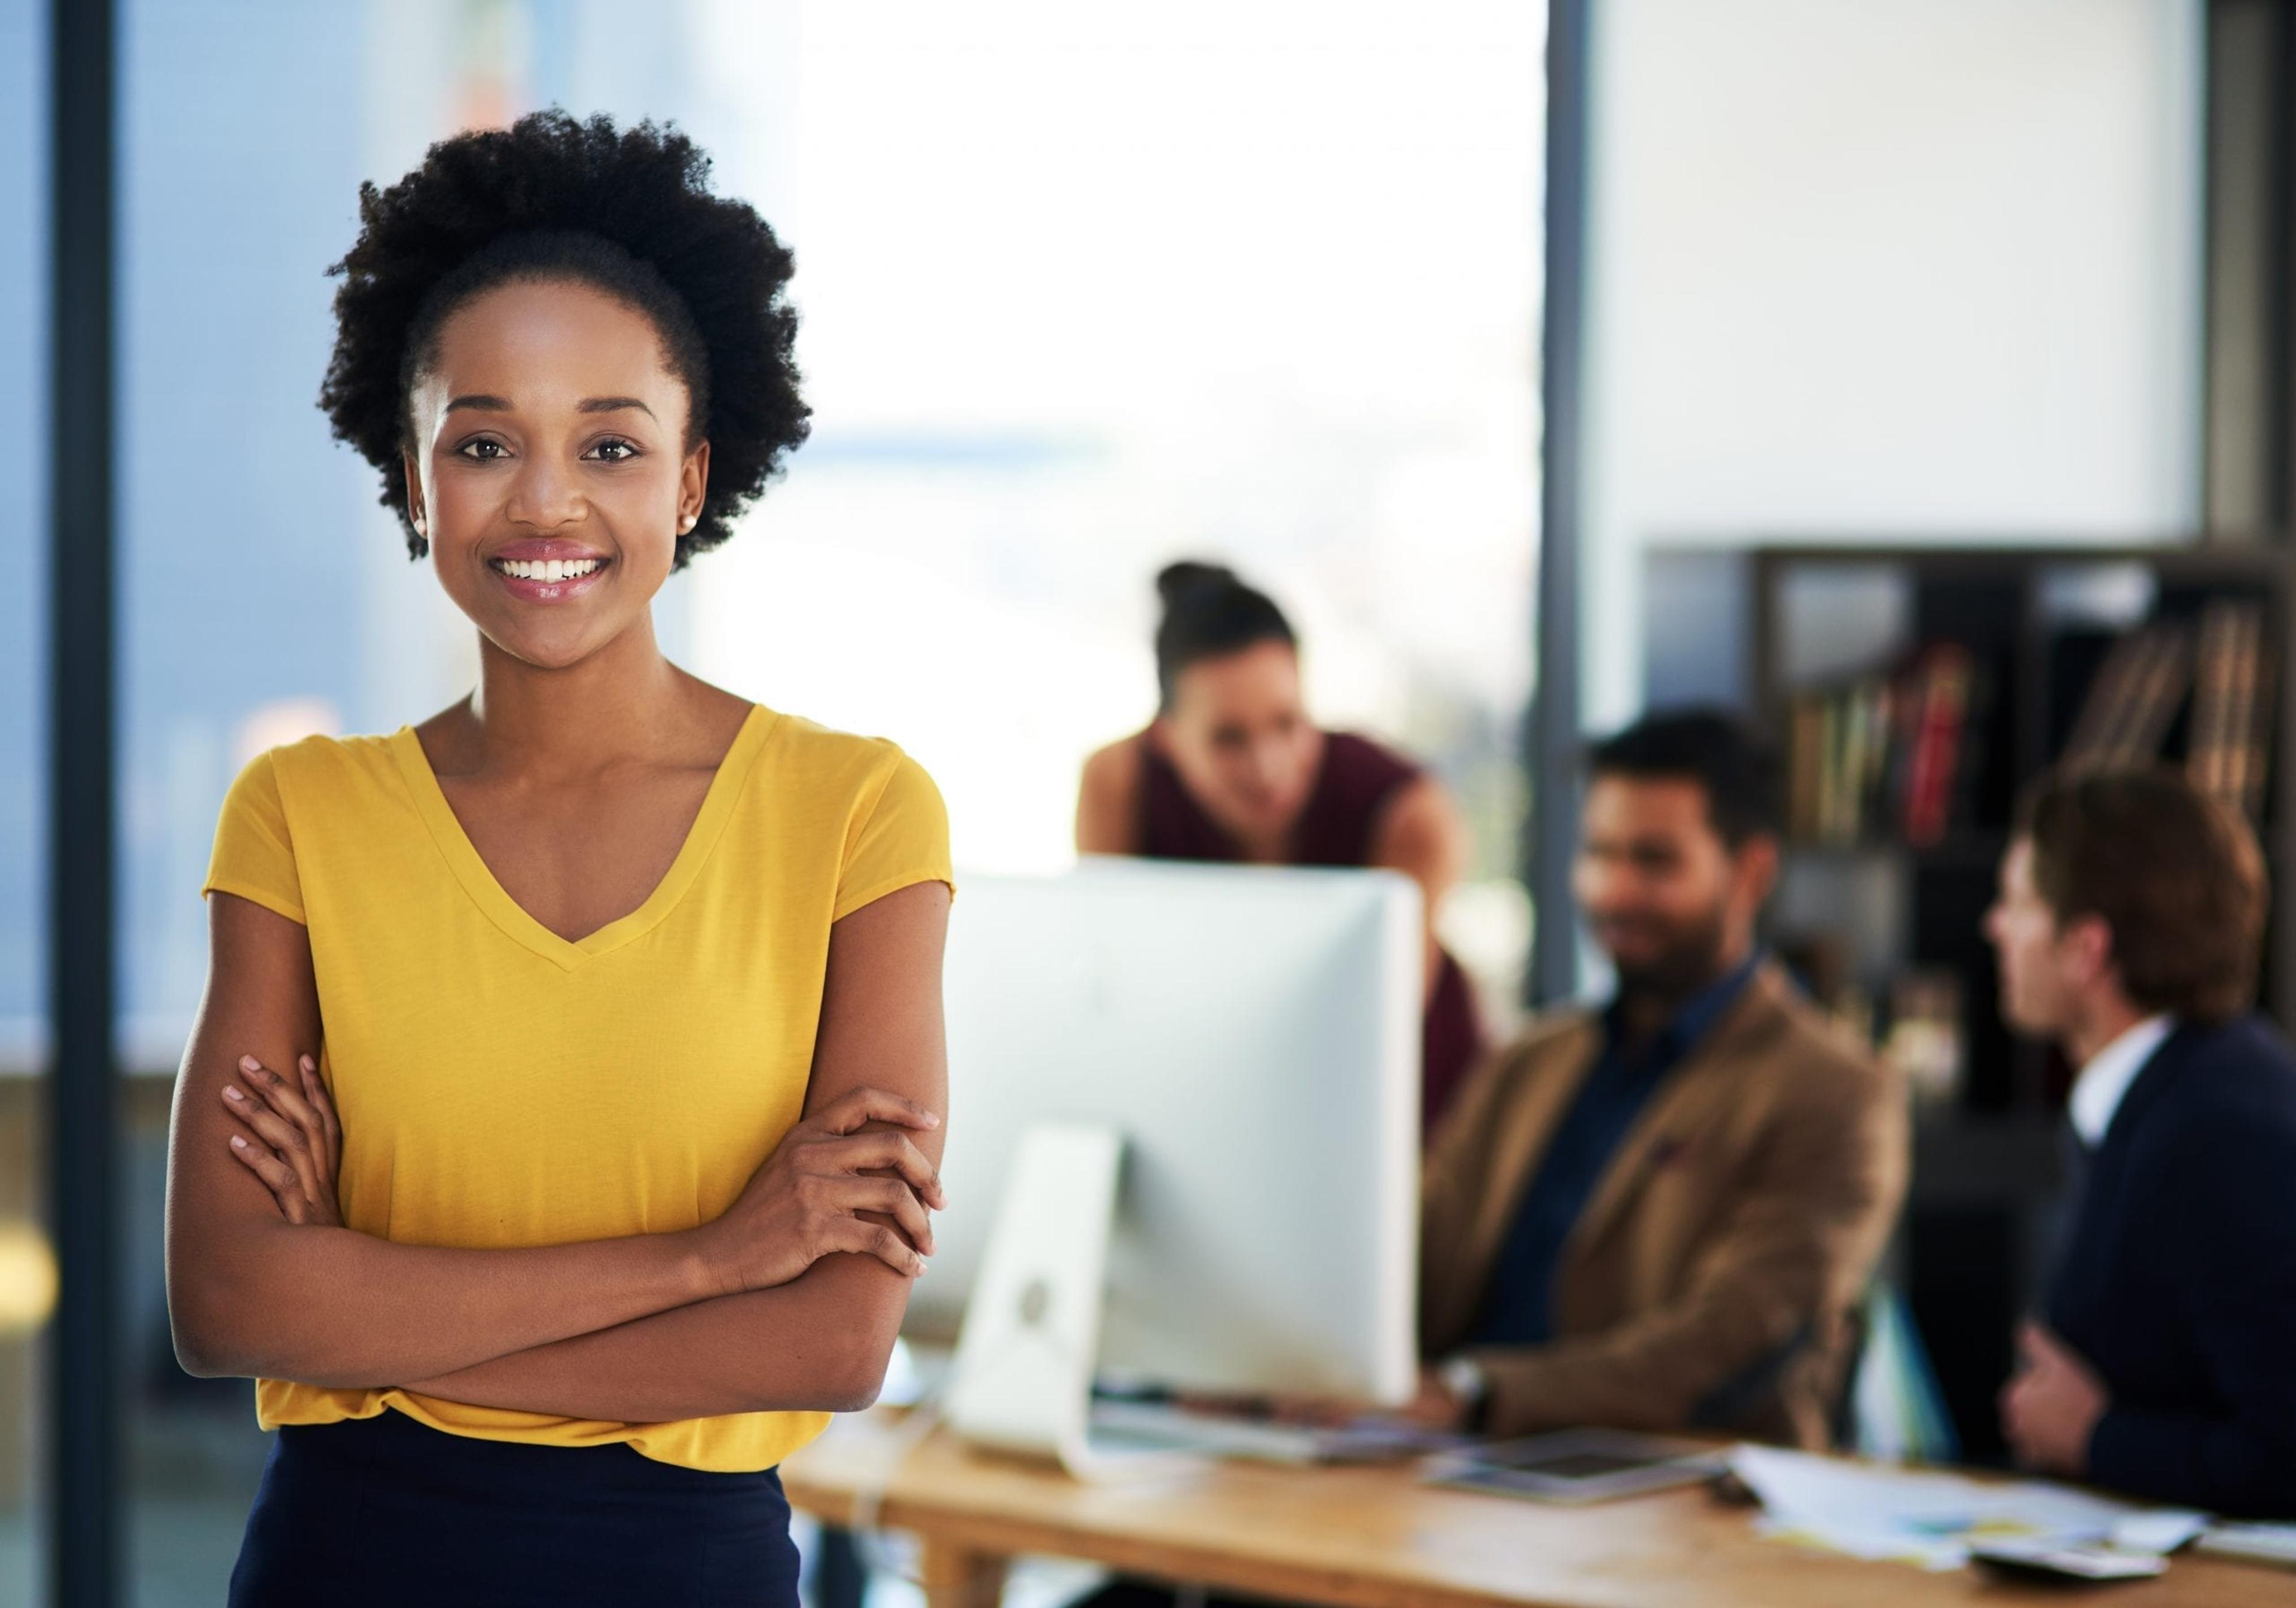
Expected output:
(1357, 781)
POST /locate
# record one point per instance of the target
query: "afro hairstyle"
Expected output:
(550, 198)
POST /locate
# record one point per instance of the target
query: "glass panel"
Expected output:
(1089, 288)
(239, 615)
(27, 1275)
(1048, 353)
(263, 594)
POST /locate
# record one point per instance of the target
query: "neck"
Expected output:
(618, 701)
(2104, 1020)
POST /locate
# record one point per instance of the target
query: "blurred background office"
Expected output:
(1892, 329)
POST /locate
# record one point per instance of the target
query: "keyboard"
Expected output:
(1159, 1427)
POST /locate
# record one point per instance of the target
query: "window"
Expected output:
(1082, 292)
(27, 1279)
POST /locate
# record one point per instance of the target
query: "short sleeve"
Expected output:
(254, 856)
(897, 840)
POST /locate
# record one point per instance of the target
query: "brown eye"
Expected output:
(614, 451)
(484, 450)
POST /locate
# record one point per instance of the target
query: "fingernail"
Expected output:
(932, 1119)
(238, 1143)
(229, 1093)
(250, 1063)
(309, 1064)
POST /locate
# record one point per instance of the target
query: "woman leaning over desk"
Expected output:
(1233, 769)
(557, 1138)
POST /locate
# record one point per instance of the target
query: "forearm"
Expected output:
(331, 1307)
(817, 1343)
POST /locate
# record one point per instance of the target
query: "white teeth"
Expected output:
(547, 570)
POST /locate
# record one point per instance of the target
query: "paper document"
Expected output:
(1931, 1519)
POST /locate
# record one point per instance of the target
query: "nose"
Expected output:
(1267, 765)
(545, 497)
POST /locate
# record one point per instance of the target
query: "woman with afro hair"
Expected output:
(557, 1139)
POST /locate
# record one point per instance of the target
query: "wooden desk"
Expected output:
(1371, 1538)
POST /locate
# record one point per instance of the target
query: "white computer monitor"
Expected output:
(1253, 1035)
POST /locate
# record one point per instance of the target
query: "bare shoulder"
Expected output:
(1421, 832)
(714, 719)
(1114, 768)
(1108, 799)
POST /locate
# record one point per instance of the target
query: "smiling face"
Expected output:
(1671, 902)
(1239, 735)
(550, 469)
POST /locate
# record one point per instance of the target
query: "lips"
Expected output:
(547, 570)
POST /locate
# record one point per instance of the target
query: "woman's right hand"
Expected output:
(810, 1198)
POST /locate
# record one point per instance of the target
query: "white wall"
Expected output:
(1888, 269)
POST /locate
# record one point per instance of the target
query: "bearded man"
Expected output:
(1661, 1213)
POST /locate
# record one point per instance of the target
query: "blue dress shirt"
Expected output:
(1517, 1308)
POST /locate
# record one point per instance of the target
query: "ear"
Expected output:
(2086, 941)
(415, 513)
(1756, 863)
(693, 487)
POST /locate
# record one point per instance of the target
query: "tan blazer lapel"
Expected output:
(1527, 1128)
(1481, 1173)
(1696, 1091)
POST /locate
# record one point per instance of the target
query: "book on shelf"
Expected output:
(2231, 707)
(1886, 754)
(2132, 701)
(2220, 663)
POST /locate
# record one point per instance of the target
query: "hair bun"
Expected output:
(1177, 581)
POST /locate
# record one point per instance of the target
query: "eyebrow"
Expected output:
(484, 403)
(613, 404)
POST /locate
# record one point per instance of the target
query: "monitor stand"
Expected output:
(1021, 1382)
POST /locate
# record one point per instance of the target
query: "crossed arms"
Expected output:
(790, 1301)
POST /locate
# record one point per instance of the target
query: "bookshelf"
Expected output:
(1872, 910)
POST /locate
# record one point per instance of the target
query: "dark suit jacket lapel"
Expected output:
(2143, 1091)
(2101, 1179)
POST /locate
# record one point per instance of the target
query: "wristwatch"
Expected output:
(1463, 1379)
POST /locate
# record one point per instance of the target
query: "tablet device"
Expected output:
(2039, 1558)
(1578, 1465)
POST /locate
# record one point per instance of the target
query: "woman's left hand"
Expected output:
(291, 1140)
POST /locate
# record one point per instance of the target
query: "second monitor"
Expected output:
(1253, 1036)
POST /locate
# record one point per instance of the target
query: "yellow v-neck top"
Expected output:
(501, 1086)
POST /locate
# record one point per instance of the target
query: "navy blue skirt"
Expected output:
(388, 1511)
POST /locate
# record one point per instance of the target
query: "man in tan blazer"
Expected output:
(1661, 1213)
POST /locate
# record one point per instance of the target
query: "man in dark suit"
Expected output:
(2128, 928)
